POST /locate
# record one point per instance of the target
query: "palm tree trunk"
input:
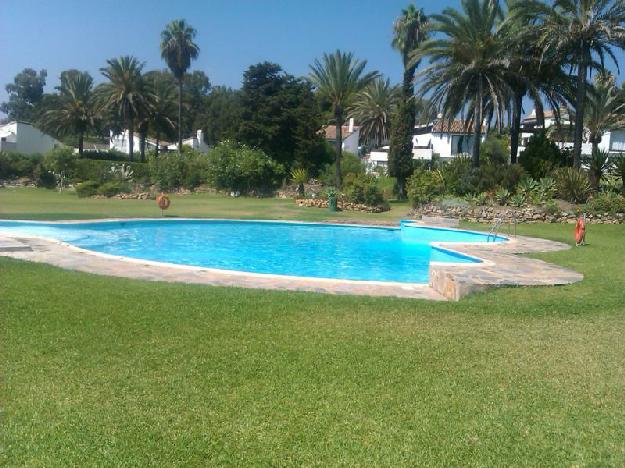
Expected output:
(477, 125)
(515, 129)
(158, 142)
(338, 148)
(180, 115)
(142, 146)
(81, 141)
(131, 139)
(579, 113)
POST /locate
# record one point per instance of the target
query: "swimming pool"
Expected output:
(369, 253)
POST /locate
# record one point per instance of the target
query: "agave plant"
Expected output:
(517, 200)
(572, 184)
(546, 189)
(527, 187)
(502, 195)
(598, 165)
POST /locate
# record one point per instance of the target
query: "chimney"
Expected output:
(351, 125)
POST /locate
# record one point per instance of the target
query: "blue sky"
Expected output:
(62, 34)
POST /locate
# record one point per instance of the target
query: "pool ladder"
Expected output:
(494, 230)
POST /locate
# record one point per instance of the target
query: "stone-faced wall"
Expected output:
(342, 205)
(488, 214)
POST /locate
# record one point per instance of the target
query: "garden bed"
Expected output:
(342, 205)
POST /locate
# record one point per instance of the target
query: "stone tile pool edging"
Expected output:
(448, 281)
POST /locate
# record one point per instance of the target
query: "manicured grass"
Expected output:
(33, 203)
(107, 371)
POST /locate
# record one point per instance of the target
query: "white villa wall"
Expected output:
(350, 144)
(24, 138)
(447, 145)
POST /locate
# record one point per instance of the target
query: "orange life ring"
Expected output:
(163, 201)
(580, 231)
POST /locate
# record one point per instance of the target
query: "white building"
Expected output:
(121, 142)
(22, 137)
(445, 138)
(611, 142)
(196, 142)
(350, 134)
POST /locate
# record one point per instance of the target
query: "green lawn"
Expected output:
(107, 371)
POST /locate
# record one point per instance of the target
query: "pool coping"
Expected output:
(499, 266)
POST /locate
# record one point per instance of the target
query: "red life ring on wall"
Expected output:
(580, 231)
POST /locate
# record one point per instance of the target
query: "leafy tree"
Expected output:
(581, 34)
(372, 110)
(280, 115)
(541, 156)
(178, 49)
(196, 88)
(467, 68)
(73, 111)
(125, 95)
(409, 32)
(162, 112)
(338, 78)
(25, 93)
(221, 116)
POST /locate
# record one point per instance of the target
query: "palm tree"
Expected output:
(338, 78)
(468, 68)
(373, 108)
(124, 95)
(409, 31)
(581, 33)
(178, 49)
(73, 112)
(605, 108)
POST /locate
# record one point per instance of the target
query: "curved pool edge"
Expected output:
(448, 281)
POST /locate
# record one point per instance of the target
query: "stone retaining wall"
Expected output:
(342, 205)
(488, 214)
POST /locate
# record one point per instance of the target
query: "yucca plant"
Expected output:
(598, 165)
(502, 195)
(299, 176)
(572, 184)
(618, 164)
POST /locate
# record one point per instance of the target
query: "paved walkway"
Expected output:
(501, 267)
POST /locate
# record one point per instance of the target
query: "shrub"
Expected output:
(112, 188)
(363, 189)
(172, 170)
(299, 176)
(105, 155)
(551, 208)
(87, 189)
(572, 184)
(502, 195)
(618, 163)
(608, 202)
(541, 156)
(386, 184)
(510, 176)
(453, 173)
(478, 199)
(236, 167)
(18, 165)
(423, 186)
(62, 163)
(44, 178)
(103, 171)
(494, 149)
(350, 165)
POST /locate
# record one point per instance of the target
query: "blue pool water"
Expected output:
(315, 250)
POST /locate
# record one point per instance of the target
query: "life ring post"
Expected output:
(163, 202)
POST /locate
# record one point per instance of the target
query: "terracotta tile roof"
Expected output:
(455, 126)
(330, 131)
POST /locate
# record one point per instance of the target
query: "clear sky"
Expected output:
(62, 34)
